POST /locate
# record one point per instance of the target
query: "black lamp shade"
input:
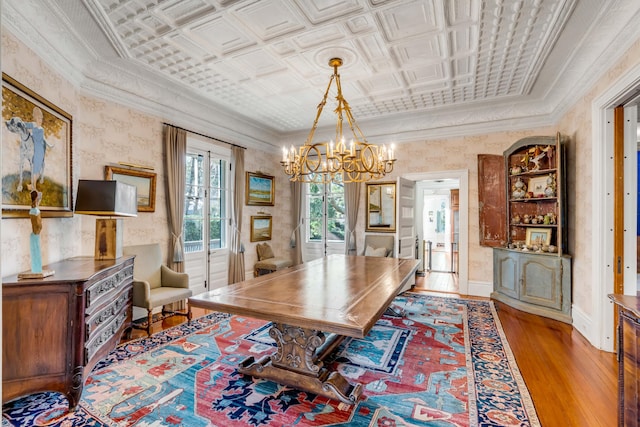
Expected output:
(106, 198)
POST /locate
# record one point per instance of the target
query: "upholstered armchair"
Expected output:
(155, 284)
(378, 245)
(268, 262)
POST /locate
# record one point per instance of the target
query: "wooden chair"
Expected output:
(155, 284)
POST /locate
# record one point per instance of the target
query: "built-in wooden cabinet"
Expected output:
(531, 269)
(54, 330)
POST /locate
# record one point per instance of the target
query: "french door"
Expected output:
(324, 220)
(206, 216)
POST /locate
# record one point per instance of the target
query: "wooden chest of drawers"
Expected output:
(628, 359)
(55, 330)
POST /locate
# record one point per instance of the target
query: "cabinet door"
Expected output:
(542, 281)
(492, 200)
(506, 277)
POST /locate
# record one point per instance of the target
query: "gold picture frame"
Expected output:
(381, 207)
(36, 152)
(144, 181)
(261, 228)
(538, 236)
(260, 189)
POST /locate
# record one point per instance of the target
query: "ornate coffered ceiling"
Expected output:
(256, 69)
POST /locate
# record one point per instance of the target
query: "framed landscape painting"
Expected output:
(260, 228)
(144, 181)
(36, 153)
(259, 189)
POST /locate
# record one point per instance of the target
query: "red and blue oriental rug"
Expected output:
(445, 363)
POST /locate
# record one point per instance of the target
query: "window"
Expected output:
(325, 212)
(205, 186)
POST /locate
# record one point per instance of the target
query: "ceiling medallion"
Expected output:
(323, 162)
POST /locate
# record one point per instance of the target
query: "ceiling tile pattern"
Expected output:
(249, 56)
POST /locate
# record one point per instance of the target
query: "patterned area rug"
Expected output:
(445, 363)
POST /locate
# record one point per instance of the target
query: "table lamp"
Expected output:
(112, 199)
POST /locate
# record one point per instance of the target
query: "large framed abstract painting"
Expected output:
(36, 153)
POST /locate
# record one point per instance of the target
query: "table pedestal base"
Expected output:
(296, 363)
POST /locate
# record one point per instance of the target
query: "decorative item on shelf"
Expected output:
(526, 219)
(516, 219)
(550, 189)
(536, 154)
(322, 162)
(113, 199)
(516, 170)
(519, 189)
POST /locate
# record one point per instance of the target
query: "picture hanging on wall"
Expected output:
(36, 153)
(259, 190)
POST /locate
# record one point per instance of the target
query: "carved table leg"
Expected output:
(296, 364)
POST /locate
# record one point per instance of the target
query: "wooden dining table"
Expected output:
(313, 307)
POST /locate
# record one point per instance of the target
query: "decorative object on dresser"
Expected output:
(531, 269)
(628, 359)
(107, 199)
(268, 262)
(54, 330)
(156, 285)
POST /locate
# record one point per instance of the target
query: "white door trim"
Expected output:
(600, 334)
(462, 175)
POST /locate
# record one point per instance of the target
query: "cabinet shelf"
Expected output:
(533, 173)
(535, 225)
(533, 199)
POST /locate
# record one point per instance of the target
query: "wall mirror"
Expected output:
(381, 207)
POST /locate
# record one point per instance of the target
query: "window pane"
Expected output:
(335, 229)
(315, 229)
(193, 237)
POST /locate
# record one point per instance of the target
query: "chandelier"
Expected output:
(323, 162)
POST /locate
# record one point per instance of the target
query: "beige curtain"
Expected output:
(352, 203)
(175, 144)
(236, 250)
(296, 217)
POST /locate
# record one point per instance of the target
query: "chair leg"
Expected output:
(189, 314)
(149, 320)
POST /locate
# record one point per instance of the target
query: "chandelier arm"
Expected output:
(319, 112)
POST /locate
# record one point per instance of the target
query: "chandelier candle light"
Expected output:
(324, 162)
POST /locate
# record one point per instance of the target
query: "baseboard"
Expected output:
(480, 289)
(583, 324)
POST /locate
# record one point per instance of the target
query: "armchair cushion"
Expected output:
(377, 242)
(379, 252)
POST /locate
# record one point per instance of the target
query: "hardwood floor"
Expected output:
(571, 383)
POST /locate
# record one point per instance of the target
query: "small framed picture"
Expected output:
(144, 181)
(537, 185)
(260, 228)
(538, 236)
(260, 189)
